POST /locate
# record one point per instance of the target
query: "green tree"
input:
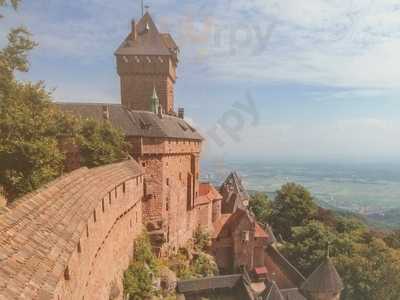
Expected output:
(371, 272)
(204, 265)
(138, 281)
(32, 129)
(101, 143)
(293, 206)
(29, 153)
(201, 239)
(139, 277)
(261, 206)
(393, 239)
(308, 246)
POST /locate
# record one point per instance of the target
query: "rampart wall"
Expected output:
(58, 242)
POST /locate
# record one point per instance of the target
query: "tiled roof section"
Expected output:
(231, 220)
(234, 194)
(282, 271)
(207, 193)
(324, 279)
(39, 232)
(148, 40)
(260, 232)
(292, 294)
(210, 283)
(169, 42)
(219, 224)
(134, 123)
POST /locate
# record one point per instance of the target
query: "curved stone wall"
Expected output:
(73, 238)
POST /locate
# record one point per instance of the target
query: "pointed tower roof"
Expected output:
(272, 292)
(147, 40)
(234, 194)
(154, 102)
(324, 279)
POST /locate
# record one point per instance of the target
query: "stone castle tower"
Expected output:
(147, 59)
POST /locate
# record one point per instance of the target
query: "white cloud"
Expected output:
(333, 43)
(356, 139)
(352, 43)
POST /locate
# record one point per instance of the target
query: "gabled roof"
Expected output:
(234, 194)
(207, 193)
(148, 41)
(134, 123)
(260, 232)
(232, 220)
(282, 271)
(209, 283)
(325, 279)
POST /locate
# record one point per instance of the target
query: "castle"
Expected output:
(73, 238)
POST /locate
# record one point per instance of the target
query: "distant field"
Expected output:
(369, 189)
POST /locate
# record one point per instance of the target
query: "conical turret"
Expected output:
(324, 283)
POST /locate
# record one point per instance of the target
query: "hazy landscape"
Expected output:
(372, 190)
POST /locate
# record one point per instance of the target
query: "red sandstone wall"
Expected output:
(157, 146)
(181, 221)
(216, 210)
(204, 214)
(172, 172)
(139, 77)
(106, 245)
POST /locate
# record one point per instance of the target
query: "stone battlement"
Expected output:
(56, 242)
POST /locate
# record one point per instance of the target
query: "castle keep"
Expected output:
(74, 238)
(147, 59)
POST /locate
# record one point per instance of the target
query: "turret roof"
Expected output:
(148, 40)
(234, 194)
(324, 279)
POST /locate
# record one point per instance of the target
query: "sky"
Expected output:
(262, 79)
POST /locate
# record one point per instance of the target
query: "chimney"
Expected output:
(181, 112)
(134, 30)
(106, 113)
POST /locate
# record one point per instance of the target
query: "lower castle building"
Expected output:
(73, 239)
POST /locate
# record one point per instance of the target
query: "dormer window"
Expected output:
(143, 125)
(183, 126)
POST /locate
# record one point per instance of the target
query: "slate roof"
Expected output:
(292, 294)
(284, 273)
(209, 283)
(134, 123)
(149, 41)
(234, 194)
(39, 232)
(324, 279)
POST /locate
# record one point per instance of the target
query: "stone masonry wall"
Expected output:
(73, 238)
(172, 184)
(139, 79)
(108, 237)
